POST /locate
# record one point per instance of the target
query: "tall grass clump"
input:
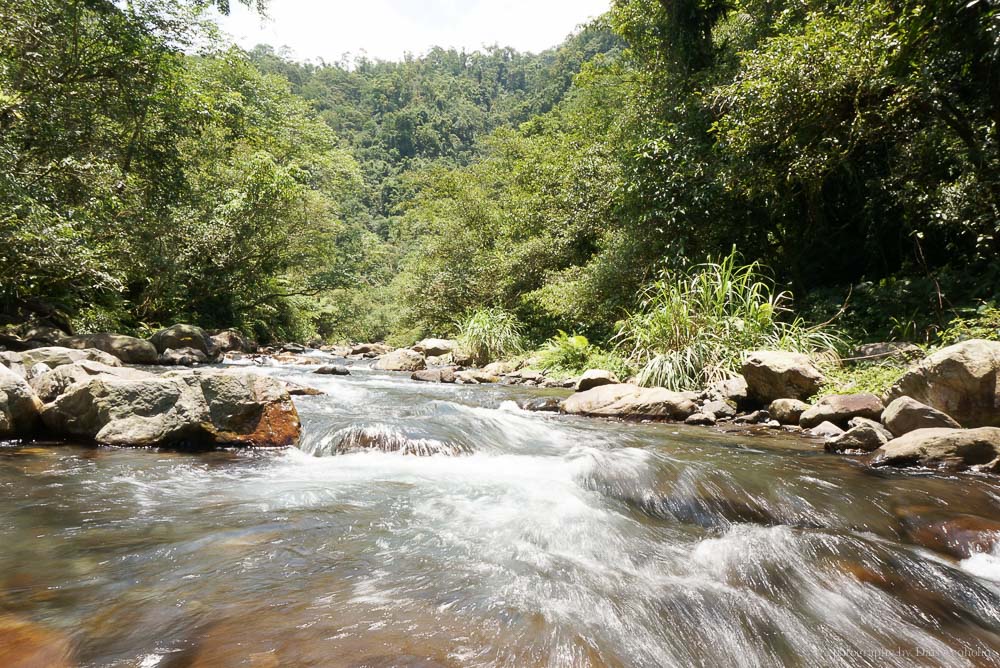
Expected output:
(693, 326)
(491, 334)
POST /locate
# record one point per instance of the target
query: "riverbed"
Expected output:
(519, 539)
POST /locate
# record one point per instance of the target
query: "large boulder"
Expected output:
(128, 349)
(436, 347)
(178, 337)
(14, 362)
(48, 386)
(401, 360)
(774, 375)
(731, 390)
(631, 402)
(54, 356)
(962, 381)
(177, 410)
(232, 341)
(19, 406)
(954, 449)
(907, 414)
(595, 378)
(841, 409)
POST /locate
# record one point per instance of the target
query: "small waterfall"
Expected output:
(380, 438)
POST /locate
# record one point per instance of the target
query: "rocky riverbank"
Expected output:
(943, 413)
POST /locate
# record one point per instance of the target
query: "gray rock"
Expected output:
(542, 404)
(732, 390)
(58, 356)
(19, 406)
(840, 408)
(436, 347)
(906, 414)
(700, 420)
(774, 375)
(890, 350)
(874, 424)
(595, 378)
(39, 369)
(954, 449)
(865, 436)
(177, 410)
(182, 357)
(178, 337)
(434, 376)
(401, 360)
(962, 381)
(232, 341)
(333, 370)
(49, 386)
(14, 362)
(127, 349)
(631, 402)
(787, 411)
(719, 410)
(826, 430)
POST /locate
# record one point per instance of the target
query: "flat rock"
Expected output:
(962, 381)
(774, 375)
(840, 408)
(55, 356)
(906, 414)
(954, 449)
(631, 402)
(49, 386)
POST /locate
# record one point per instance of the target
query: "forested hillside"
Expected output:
(149, 173)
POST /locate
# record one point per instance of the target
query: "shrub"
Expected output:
(569, 355)
(876, 377)
(693, 326)
(983, 324)
(491, 334)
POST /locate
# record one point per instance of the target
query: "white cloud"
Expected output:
(388, 29)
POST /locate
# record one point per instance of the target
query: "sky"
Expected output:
(387, 29)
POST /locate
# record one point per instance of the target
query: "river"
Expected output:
(524, 540)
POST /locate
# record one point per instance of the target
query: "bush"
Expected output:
(572, 355)
(491, 334)
(693, 326)
(876, 378)
(984, 323)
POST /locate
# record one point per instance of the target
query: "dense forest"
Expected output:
(151, 173)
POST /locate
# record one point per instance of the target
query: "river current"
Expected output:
(506, 538)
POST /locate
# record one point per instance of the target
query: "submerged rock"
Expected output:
(401, 360)
(906, 414)
(333, 370)
(381, 439)
(955, 449)
(19, 406)
(774, 375)
(24, 644)
(841, 408)
(962, 381)
(178, 410)
(595, 378)
(128, 349)
(959, 536)
(631, 402)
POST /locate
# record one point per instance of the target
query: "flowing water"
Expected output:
(516, 539)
